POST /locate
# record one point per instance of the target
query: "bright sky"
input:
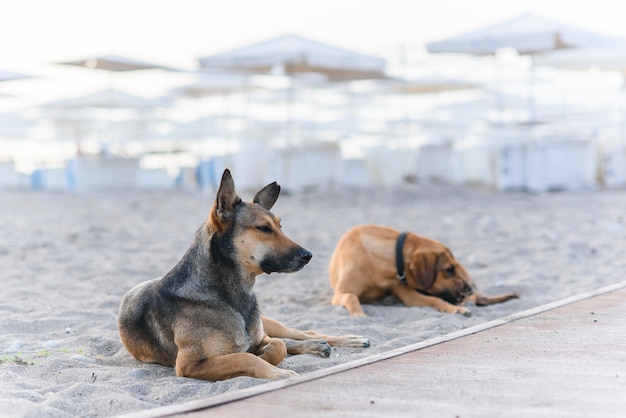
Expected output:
(37, 33)
(175, 32)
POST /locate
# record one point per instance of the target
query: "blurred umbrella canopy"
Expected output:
(292, 54)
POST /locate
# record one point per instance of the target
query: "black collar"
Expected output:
(400, 258)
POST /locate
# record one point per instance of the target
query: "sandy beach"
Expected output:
(67, 259)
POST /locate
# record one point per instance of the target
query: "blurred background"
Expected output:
(117, 95)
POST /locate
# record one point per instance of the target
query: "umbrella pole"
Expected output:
(621, 111)
(531, 88)
(497, 69)
(290, 102)
(110, 122)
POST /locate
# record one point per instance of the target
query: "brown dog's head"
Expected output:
(250, 234)
(433, 270)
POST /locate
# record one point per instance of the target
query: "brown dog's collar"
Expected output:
(400, 258)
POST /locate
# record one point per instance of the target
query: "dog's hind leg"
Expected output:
(227, 366)
(275, 329)
(272, 350)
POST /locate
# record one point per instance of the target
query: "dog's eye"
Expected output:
(449, 271)
(265, 228)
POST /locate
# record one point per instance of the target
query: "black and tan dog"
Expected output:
(371, 262)
(202, 317)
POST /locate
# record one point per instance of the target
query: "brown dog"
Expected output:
(202, 317)
(364, 268)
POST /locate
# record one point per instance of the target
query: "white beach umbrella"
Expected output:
(604, 58)
(405, 90)
(292, 54)
(296, 56)
(15, 125)
(210, 84)
(528, 35)
(114, 63)
(10, 76)
(106, 100)
(426, 85)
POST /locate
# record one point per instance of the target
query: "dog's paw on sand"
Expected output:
(355, 341)
(462, 310)
(315, 347)
(323, 348)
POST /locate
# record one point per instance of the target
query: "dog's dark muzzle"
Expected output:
(286, 263)
(456, 297)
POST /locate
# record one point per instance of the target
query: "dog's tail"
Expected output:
(482, 300)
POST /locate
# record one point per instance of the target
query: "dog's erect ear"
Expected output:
(424, 267)
(226, 199)
(267, 196)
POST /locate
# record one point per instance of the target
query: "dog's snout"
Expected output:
(291, 261)
(465, 293)
(305, 256)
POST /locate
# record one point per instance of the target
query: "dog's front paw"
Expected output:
(324, 348)
(318, 347)
(364, 341)
(464, 311)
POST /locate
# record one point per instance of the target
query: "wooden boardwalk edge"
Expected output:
(237, 395)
